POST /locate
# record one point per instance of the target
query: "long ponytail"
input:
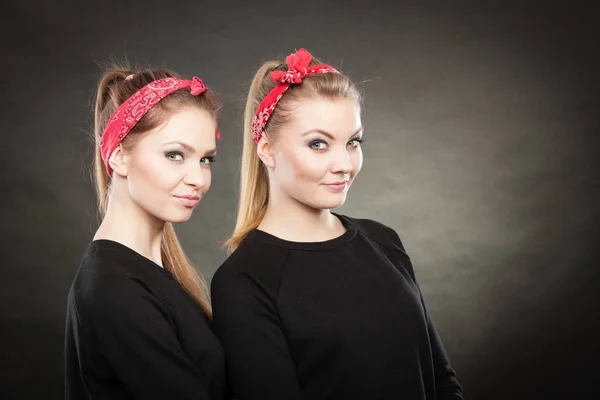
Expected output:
(115, 86)
(254, 185)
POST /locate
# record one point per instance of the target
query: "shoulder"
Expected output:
(388, 241)
(378, 232)
(106, 285)
(253, 263)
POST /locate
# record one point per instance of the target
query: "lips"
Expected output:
(337, 186)
(188, 200)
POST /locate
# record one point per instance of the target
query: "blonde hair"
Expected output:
(254, 185)
(115, 86)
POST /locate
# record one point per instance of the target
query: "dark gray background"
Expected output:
(481, 138)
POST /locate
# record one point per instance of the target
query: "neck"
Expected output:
(289, 219)
(127, 223)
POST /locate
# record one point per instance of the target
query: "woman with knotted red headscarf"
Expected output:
(138, 314)
(312, 304)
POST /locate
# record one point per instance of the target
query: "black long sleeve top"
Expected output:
(339, 319)
(133, 332)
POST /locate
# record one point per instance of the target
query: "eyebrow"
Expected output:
(187, 147)
(329, 135)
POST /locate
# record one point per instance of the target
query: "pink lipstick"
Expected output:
(188, 200)
(337, 186)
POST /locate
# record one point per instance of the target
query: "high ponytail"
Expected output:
(107, 101)
(115, 86)
(254, 185)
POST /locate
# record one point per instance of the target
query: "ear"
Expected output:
(118, 161)
(265, 152)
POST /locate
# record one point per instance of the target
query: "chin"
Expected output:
(179, 219)
(333, 206)
(329, 204)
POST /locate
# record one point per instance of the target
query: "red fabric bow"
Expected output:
(197, 86)
(298, 67)
(134, 108)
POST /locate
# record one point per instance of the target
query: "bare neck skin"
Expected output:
(127, 223)
(289, 219)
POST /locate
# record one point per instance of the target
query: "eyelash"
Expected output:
(318, 141)
(173, 153)
(359, 141)
(210, 159)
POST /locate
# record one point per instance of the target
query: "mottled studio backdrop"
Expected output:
(481, 140)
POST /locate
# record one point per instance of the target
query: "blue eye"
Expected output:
(318, 144)
(355, 142)
(174, 156)
(208, 160)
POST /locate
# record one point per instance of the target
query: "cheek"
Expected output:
(356, 158)
(307, 166)
(154, 174)
(207, 180)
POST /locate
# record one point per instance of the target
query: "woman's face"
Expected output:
(318, 153)
(168, 171)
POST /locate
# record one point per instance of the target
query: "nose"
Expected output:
(196, 176)
(341, 162)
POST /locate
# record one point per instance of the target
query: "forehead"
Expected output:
(190, 125)
(341, 115)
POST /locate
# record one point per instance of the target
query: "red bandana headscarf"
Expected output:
(134, 108)
(298, 68)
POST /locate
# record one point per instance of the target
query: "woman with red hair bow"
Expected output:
(312, 304)
(138, 315)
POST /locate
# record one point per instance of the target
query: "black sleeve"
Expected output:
(446, 383)
(246, 321)
(133, 330)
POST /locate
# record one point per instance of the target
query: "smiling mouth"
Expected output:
(341, 185)
(188, 200)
